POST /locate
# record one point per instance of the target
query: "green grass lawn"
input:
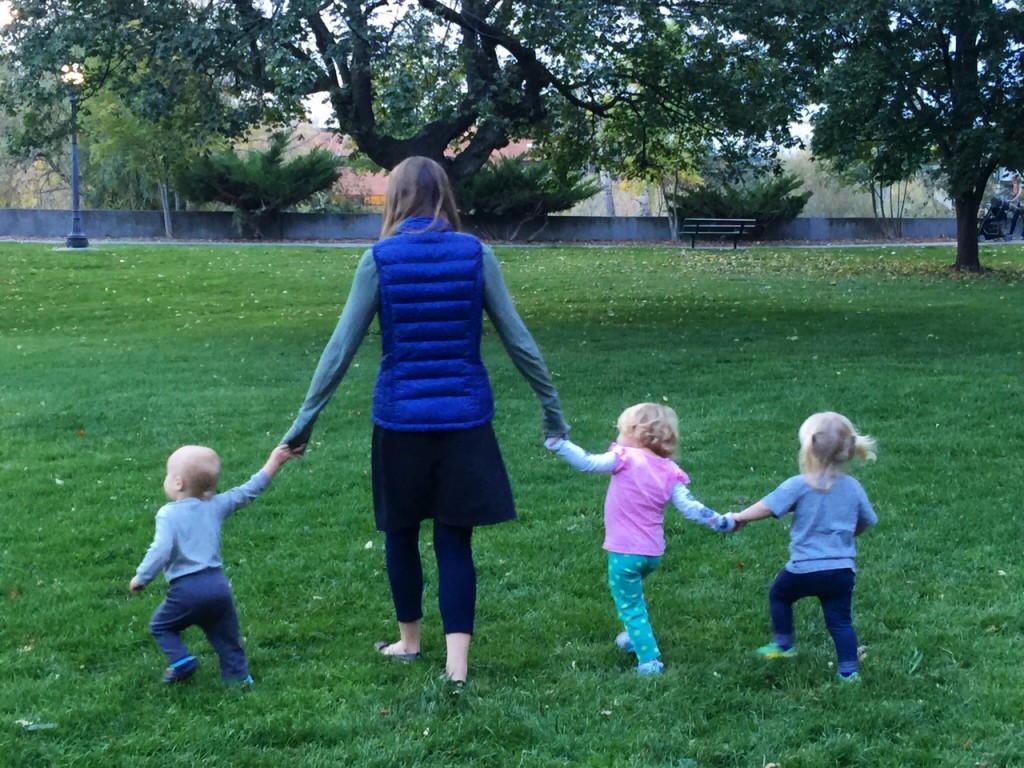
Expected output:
(113, 357)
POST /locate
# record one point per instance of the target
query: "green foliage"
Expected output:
(906, 83)
(326, 201)
(523, 190)
(115, 357)
(692, 92)
(25, 183)
(126, 50)
(771, 199)
(259, 184)
(452, 81)
(130, 157)
(835, 196)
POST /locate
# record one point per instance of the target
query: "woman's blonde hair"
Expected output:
(827, 441)
(419, 187)
(654, 426)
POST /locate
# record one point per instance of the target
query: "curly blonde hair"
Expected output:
(654, 426)
(828, 440)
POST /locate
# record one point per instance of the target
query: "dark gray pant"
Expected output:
(204, 600)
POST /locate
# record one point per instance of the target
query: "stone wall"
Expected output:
(195, 225)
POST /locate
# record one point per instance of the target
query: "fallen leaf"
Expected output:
(28, 725)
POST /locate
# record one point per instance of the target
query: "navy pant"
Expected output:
(204, 600)
(456, 575)
(834, 589)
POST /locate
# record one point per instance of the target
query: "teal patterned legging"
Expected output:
(626, 574)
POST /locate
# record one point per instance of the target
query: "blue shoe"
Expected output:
(853, 677)
(776, 651)
(181, 670)
(623, 642)
(652, 667)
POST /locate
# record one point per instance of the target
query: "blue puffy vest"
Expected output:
(431, 317)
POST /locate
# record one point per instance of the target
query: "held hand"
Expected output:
(135, 587)
(278, 456)
(552, 443)
(299, 451)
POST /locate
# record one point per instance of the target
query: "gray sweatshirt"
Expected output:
(187, 536)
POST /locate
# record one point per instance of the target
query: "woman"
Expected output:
(434, 453)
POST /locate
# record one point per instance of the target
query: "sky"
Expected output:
(5, 13)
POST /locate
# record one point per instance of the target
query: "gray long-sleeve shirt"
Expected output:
(187, 536)
(361, 307)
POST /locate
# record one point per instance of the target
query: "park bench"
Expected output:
(734, 228)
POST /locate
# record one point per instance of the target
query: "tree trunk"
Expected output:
(165, 204)
(670, 208)
(609, 193)
(967, 233)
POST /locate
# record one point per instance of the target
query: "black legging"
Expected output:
(456, 575)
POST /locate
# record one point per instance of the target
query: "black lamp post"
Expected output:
(73, 78)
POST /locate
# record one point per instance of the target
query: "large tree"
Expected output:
(135, 71)
(906, 84)
(722, 108)
(451, 80)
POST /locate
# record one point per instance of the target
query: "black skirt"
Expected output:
(455, 477)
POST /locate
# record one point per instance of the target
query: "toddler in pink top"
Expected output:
(645, 478)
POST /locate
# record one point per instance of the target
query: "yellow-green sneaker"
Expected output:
(853, 677)
(775, 651)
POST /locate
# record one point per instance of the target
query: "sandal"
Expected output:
(454, 687)
(382, 647)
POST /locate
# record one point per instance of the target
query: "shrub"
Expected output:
(770, 200)
(518, 192)
(259, 184)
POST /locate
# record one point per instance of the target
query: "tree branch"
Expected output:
(535, 72)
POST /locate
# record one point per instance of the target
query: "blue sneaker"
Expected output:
(776, 651)
(623, 642)
(652, 667)
(853, 677)
(181, 670)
